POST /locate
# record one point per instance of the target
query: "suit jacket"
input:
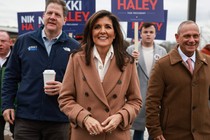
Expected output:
(177, 102)
(140, 122)
(83, 94)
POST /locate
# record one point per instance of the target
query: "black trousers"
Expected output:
(2, 125)
(40, 130)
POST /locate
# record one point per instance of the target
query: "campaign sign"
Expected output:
(138, 10)
(78, 13)
(160, 28)
(29, 21)
(73, 29)
(79, 10)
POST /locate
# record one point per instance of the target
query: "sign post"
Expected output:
(136, 35)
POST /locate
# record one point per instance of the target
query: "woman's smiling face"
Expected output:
(103, 32)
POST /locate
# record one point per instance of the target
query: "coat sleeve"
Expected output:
(153, 101)
(134, 100)
(67, 97)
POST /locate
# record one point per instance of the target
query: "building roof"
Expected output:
(9, 29)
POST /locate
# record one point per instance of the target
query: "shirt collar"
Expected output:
(110, 52)
(45, 37)
(8, 53)
(184, 57)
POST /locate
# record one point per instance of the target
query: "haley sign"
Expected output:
(78, 13)
(160, 28)
(138, 10)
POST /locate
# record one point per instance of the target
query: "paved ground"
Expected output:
(145, 135)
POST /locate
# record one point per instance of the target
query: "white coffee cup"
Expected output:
(48, 75)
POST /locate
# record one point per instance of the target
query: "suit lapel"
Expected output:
(92, 79)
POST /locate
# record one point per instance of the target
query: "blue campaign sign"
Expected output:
(160, 28)
(79, 12)
(73, 29)
(29, 21)
(138, 10)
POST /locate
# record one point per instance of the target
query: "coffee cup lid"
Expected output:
(49, 71)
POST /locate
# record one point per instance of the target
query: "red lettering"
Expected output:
(135, 5)
(119, 4)
(139, 26)
(158, 25)
(145, 4)
(130, 5)
(153, 3)
(27, 27)
(78, 16)
(85, 15)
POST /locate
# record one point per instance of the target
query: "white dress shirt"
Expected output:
(184, 57)
(102, 68)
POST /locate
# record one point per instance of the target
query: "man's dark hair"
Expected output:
(147, 25)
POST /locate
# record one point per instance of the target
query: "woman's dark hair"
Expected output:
(122, 57)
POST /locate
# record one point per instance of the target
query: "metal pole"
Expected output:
(192, 10)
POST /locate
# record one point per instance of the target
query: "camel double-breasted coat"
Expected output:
(177, 102)
(83, 94)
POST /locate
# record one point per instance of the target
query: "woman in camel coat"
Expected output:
(100, 92)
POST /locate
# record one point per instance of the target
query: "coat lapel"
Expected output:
(92, 79)
(157, 53)
(200, 60)
(175, 57)
(112, 77)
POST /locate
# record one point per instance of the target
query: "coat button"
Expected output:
(114, 96)
(107, 110)
(86, 94)
(194, 107)
(119, 82)
(89, 108)
(83, 78)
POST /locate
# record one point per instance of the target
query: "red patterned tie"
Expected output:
(189, 63)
